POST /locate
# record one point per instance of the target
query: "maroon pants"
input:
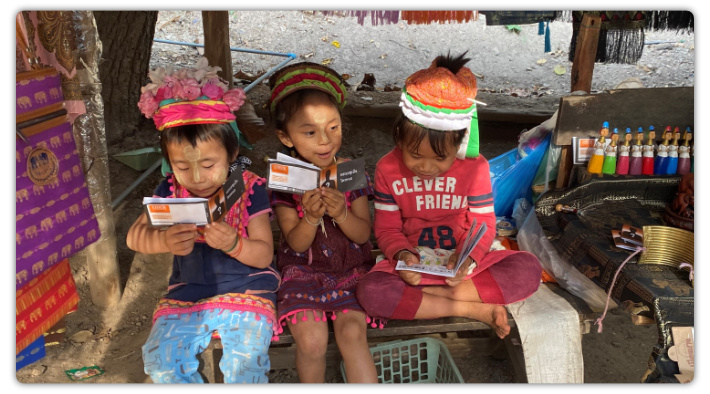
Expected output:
(509, 276)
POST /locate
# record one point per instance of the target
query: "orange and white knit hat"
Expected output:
(438, 99)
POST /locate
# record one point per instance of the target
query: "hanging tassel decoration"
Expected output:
(548, 46)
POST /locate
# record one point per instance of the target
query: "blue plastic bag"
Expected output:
(512, 176)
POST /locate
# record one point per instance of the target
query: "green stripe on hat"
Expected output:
(473, 144)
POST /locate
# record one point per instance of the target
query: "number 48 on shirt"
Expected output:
(444, 236)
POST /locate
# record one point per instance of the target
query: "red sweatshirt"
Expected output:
(436, 213)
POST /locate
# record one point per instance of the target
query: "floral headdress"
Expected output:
(306, 75)
(190, 96)
(438, 99)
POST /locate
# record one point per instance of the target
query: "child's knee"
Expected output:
(376, 292)
(314, 345)
(368, 287)
(352, 331)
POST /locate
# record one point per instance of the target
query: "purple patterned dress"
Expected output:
(323, 278)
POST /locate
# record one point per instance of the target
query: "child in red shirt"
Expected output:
(428, 191)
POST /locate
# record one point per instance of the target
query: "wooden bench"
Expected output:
(461, 336)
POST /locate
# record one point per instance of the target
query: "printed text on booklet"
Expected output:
(200, 211)
(295, 176)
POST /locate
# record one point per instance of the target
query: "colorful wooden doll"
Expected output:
(684, 153)
(647, 159)
(622, 162)
(595, 163)
(609, 166)
(672, 167)
(660, 165)
(635, 159)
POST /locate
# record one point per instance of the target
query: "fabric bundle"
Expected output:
(411, 17)
(621, 36)
(42, 303)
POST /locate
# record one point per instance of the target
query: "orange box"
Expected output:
(159, 208)
(586, 143)
(279, 168)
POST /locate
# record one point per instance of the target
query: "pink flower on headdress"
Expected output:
(170, 81)
(164, 93)
(191, 89)
(213, 91)
(178, 91)
(234, 98)
(148, 104)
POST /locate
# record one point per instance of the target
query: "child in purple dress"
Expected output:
(324, 247)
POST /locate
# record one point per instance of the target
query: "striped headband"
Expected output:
(437, 99)
(306, 76)
(174, 113)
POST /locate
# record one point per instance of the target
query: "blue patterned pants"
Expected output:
(170, 353)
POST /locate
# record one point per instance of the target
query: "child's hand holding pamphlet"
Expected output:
(295, 176)
(433, 261)
(200, 211)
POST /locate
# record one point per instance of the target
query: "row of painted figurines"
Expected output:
(638, 159)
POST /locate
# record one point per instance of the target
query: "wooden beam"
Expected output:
(585, 53)
(391, 110)
(582, 116)
(216, 27)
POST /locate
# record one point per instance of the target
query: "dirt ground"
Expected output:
(112, 339)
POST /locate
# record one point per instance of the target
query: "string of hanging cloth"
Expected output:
(621, 35)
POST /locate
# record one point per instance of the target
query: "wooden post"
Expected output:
(585, 53)
(582, 71)
(565, 167)
(216, 27)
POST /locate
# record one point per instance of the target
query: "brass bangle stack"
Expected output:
(667, 246)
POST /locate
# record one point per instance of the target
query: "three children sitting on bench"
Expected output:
(429, 189)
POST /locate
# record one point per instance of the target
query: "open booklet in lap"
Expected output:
(433, 261)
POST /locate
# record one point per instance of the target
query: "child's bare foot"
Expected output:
(494, 315)
(499, 317)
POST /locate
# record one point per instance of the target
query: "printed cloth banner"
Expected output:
(54, 214)
(44, 301)
(37, 93)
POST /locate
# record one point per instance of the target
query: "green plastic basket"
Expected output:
(422, 360)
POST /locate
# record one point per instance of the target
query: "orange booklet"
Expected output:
(200, 211)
